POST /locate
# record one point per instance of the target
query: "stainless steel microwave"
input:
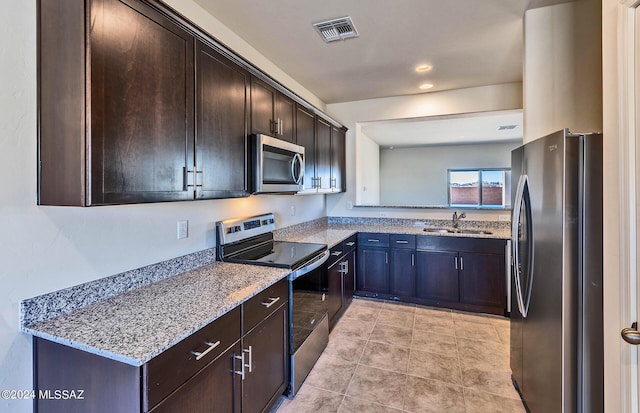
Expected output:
(277, 165)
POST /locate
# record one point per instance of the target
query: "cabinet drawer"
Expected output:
(165, 372)
(481, 245)
(336, 254)
(259, 307)
(369, 239)
(402, 241)
(350, 243)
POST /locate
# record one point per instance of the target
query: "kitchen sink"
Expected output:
(457, 231)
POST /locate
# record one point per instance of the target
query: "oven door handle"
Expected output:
(310, 266)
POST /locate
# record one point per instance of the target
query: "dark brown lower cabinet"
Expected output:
(265, 349)
(215, 389)
(481, 282)
(402, 272)
(334, 296)
(437, 276)
(373, 270)
(219, 368)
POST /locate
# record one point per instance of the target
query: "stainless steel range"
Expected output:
(250, 241)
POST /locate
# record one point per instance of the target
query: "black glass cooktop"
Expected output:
(279, 254)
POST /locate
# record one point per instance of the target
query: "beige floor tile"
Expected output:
(345, 348)
(475, 331)
(491, 381)
(434, 312)
(393, 335)
(435, 366)
(432, 396)
(378, 386)
(353, 328)
(312, 399)
(398, 306)
(504, 333)
(434, 343)
(396, 318)
(435, 325)
(483, 355)
(471, 317)
(331, 373)
(477, 401)
(362, 313)
(365, 302)
(352, 405)
(385, 357)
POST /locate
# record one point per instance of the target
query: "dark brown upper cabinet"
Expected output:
(323, 155)
(306, 137)
(338, 160)
(116, 104)
(221, 126)
(272, 113)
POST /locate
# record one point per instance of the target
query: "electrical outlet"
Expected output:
(349, 205)
(384, 214)
(293, 210)
(504, 218)
(183, 229)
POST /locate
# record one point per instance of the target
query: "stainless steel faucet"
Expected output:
(457, 218)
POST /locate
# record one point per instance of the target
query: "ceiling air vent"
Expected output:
(336, 29)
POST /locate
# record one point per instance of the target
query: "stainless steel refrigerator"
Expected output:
(556, 312)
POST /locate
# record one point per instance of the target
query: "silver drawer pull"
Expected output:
(351, 244)
(336, 253)
(402, 242)
(204, 353)
(271, 302)
(373, 240)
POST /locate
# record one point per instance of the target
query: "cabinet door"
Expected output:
(268, 375)
(142, 97)
(262, 107)
(338, 160)
(323, 155)
(482, 279)
(437, 275)
(215, 389)
(402, 272)
(306, 137)
(285, 115)
(334, 298)
(373, 270)
(221, 105)
(349, 277)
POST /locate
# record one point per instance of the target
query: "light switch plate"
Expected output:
(183, 229)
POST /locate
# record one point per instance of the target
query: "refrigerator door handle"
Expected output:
(523, 185)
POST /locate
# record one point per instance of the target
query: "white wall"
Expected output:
(419, 176)
(562, 69)
(367, 164)
(43, 249)
(486, 98)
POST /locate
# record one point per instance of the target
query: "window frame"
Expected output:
(479, 205)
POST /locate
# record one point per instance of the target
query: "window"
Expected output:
(480, 188)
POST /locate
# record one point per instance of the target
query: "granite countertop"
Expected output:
(138, 325)
(333, 233)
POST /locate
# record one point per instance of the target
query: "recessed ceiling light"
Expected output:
(423, 68)
(426, 86)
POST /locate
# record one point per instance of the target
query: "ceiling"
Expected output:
(468, 42)
(446, 130)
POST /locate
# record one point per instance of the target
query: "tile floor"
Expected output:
(390, 358)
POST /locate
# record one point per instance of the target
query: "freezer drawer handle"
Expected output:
(631, 335)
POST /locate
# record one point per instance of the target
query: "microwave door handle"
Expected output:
(297, 160)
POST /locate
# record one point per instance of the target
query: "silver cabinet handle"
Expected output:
(271, 301)
(386, 258)
(373, 240)
(402, 242)
(461, 264)
(336, 253)
(455, 261)
(350, 244)
(631, 335)
(200, 355)
(413, 259)
(250, 352)
(242, 365)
